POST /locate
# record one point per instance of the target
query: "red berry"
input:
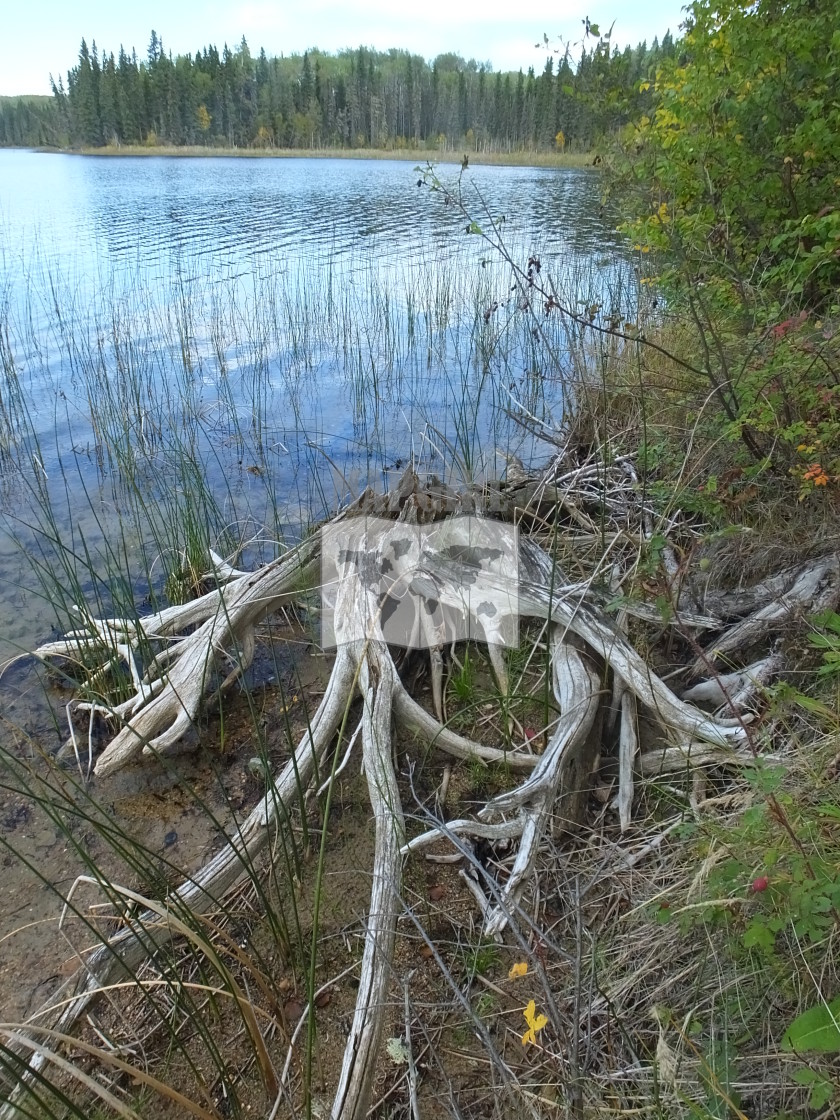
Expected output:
(760, 884)
(530, 733)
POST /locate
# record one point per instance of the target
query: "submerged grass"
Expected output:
(215, 414)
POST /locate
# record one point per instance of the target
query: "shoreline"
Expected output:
(411, 155)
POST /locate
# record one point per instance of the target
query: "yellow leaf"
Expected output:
(517, 970)
(535, 1023)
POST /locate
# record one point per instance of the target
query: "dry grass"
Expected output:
(644, 1019)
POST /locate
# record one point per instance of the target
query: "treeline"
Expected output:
(30, 122)
(357, 98)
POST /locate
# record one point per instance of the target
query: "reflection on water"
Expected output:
(231, 211)
(217, 350)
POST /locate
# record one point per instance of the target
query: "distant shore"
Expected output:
(413, 155)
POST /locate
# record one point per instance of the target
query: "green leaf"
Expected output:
(821, 1093)
(768, 779)
(829, 642)
(818, 1029)
(829, 620)
(593, 29)
(666, 610)
(805, 1076)
(397, 1051)
(758, 936)
(809, 704)
(821, 1087)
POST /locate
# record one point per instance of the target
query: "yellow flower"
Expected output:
(535, 1023)
(517, 970)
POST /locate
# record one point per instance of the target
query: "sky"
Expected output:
(43, 36)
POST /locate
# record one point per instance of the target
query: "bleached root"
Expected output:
(169, 695)
(416, 719)
(378, 677)
(605, 639)
(145, 934)
(179, 656)
(563, 773)
(628, 748)
(734, 692)
(810, 590)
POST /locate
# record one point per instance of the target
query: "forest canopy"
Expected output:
(357, 98)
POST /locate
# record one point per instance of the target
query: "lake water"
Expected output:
(232, 347)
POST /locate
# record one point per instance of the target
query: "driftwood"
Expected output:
(178, 656)
(808, 590)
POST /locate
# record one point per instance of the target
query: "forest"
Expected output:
(357, 98)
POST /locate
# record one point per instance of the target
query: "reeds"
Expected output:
(199, 409)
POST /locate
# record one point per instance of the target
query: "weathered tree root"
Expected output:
(144, 935)
(584, 646)
(811, 589)
(567, 764)
(170, 693)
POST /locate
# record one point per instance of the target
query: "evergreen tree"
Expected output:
(108, 111)
(357, 97)
(85, 123)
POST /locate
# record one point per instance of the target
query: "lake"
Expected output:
(221, 350)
